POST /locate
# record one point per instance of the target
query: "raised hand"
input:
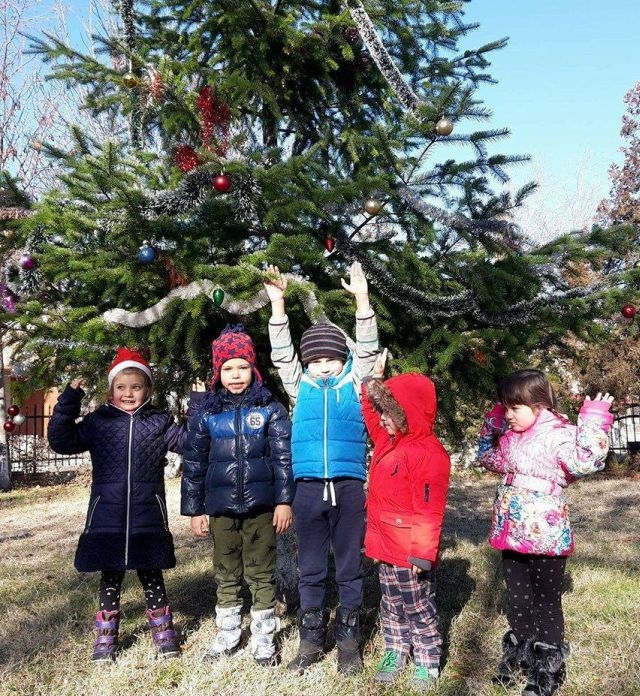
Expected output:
(380, 364)
(357, 286)
(275, 284)
(601, 397)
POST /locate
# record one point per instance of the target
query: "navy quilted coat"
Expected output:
(237, 456)
(127, 525)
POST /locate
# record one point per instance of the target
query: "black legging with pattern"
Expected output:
(534, 593)
(152, 583)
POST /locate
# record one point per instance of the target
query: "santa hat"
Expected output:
(127, 357)
(233, 342)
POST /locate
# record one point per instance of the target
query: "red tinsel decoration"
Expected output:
(186, 158)
(156, 85)
(215, 119)
(174, 278)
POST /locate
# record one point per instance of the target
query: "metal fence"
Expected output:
(29, 451)
(625, 431)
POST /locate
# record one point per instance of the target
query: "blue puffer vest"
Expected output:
(237, 458)
(329, 438)
(127, 524)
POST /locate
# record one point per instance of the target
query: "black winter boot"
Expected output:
(547, 669)
(512, 662)
(313, 633)
(348, 640)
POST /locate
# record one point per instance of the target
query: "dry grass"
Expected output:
(46, 607)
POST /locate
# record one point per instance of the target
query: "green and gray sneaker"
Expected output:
(423, 678)
(389, 667)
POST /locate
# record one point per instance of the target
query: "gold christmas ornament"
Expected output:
(36, 145)
(444, 126)
(130, 80)
(372, 206)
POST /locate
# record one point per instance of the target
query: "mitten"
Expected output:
(494, 421)
(597, 412)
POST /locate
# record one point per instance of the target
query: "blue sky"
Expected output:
(561, 82)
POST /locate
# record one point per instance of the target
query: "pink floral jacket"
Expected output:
(530, 511)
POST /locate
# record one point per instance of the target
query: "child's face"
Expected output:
(129, 391)
(236, 375)
(323, 368)
(521, 417)
(388, 424)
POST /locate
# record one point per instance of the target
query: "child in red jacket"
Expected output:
(408, 480)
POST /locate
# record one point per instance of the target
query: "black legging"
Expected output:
(534, 592)
(152, 583)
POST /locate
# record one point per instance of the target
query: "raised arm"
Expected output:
(65, 436)
(587, 453)
(367, 347)
(283, 355)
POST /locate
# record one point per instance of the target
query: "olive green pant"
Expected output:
(244, 547)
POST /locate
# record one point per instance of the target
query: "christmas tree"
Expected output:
(308, 136)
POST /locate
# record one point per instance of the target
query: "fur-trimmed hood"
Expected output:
(410, 399)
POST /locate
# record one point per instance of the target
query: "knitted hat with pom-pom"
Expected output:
(233, 342)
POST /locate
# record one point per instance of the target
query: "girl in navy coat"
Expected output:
(127, 525)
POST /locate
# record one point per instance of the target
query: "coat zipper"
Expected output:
(129, 468)
(325, 433)
(238, 452)
(92, 509)
(163, 511)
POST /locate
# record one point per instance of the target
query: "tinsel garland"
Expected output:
(479, 228)
(408, 98)
(193, 190)
(188, 292)
(424, 306)
(136, 126)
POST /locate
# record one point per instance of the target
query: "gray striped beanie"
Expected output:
(323, 341)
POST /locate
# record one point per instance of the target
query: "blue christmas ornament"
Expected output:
(146, 253)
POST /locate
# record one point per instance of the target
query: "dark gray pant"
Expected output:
(320, 526)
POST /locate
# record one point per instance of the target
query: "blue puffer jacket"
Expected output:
(127, 525)
(329, 438)
(237, 458)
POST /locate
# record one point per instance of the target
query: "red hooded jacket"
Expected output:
(408, 477)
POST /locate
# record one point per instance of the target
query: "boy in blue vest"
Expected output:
(328, 448)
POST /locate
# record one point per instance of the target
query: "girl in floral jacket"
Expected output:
(539, 452)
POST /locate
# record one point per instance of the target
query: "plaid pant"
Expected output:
(408, 614)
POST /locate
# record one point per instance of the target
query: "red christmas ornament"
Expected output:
(480, 357)
(9, 426)
(186, 158)
(13, 410)
(221, 183)
(628, 311)
(329, 244)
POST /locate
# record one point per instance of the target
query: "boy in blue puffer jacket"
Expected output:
(237, 470)
(127, 526)
(329, 454)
